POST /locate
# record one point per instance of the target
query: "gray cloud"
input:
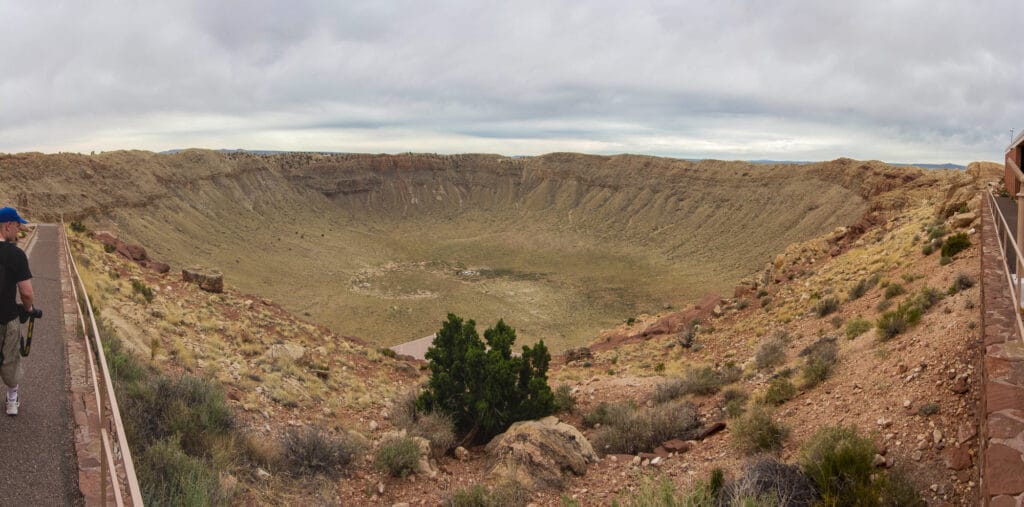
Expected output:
(899, 81)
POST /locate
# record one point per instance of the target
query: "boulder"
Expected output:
(578, 353)
(962, 220)
(159, 267)
(136, 252)
(210, 281)
(290, 351)
(535, 454)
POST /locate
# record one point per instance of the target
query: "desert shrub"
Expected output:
(757, 431)
(770, 353)
(928, 409)
(862, 287)
(386, 352)
(503, 494)
(660, 491)
(962, 281)
(564, 399)
(945, 260)
(628, 430)
(169, 476)
(955, 244)
(883, 305)
(857, 327)
(437, 427)
(780, 390)
(907, 314)
(397, 456)
(735, 402)
(894, 289)
(669, 390)
(820, 357)
(826, 305)
(765, 301)
(837, 321)
(891, 324)
(473, 496)
(705, 380)
(179, 429)
(109, 248)
(310, 451)
(936, 232)
(481, 384)
(927, 249)
(768, 481)
(140, 288)
(839, 461)
(77, 226)
(609, 413)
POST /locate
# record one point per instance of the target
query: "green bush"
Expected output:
(907, 314)
(397, 456)
(962, 282)
(169, 476)
(143, 290)
(310, 451)
(955, 244)
(702, 381)
(437, 427)
(839, 461)
(770, 353)
(482, 385)
(179, 429)
(936, 232)
(826, 306)
(77, 226)
(735, 402)
(857, 327)
(862, 287)
(503, 494)
(894, 289)
(780, 390)
(928, 409)
(820, 357)
(626, 429)
(757, 431)
(564, 400)
(883, 305)
(945, 260)
(927, 249)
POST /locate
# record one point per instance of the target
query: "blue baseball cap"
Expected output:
(11, 215)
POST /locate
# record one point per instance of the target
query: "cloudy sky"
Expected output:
(896, 80)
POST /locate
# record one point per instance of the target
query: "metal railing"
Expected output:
(116, 452)
(1008, 245)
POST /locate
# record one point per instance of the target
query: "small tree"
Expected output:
(482, 386)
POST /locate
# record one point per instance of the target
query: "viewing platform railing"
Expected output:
(1011, 253)
(116, 458)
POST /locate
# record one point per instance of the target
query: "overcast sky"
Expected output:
(900, 81)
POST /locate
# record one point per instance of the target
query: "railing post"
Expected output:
(1019, 240)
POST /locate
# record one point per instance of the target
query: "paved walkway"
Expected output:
(1002, 467)
(37, 454)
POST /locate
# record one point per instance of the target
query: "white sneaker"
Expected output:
(12, 406)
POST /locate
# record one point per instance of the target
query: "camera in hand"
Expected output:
(34, 313)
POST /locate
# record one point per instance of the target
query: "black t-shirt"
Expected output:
(13, 269)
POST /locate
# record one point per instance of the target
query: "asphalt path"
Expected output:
(37, 452)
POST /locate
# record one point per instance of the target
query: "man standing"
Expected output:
(14, 277)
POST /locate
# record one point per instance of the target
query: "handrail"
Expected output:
(103, 397)
(1006, 237)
